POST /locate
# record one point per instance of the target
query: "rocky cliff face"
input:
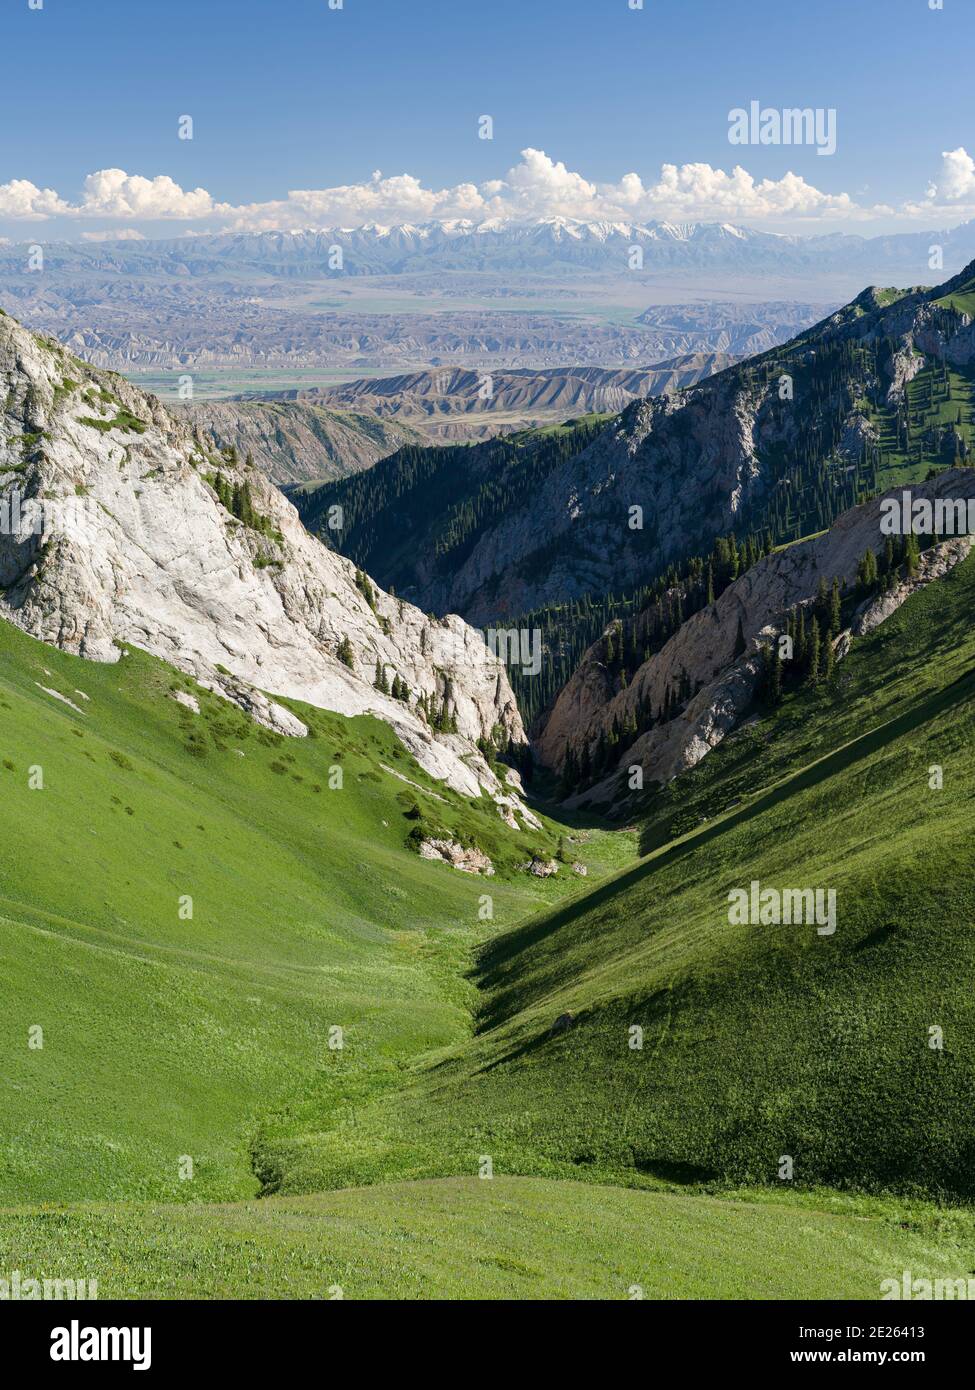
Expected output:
(688, 459)
(784, 441)
(121, 524)
(705, 652)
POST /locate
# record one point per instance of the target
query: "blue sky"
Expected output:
(288, 94)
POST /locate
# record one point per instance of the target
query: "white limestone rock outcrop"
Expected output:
(469, 861)
(112, 531)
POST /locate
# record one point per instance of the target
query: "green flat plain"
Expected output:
(507, 1238)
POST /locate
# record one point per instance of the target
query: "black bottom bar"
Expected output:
(250, 1337)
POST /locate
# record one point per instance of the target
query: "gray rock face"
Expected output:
(543, 868)
(705, 460)
(668, 454)
(703, 648)
(114, 533)
(904, 367)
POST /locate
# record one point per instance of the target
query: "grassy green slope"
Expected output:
(508, 1238)
(758, 1041)
(961, 296)
(164, 1037)
(934, 404)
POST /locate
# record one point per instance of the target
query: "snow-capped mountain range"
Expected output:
(507, 245)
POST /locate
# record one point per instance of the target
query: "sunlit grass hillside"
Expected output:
(843, 1059)
(166, 1037)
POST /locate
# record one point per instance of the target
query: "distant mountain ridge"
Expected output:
(448, 404)
(506, 245)
(493, 296)
(598, 524)
(294, 442)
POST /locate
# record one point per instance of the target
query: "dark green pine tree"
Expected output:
(569, 779)
(835, 609)
(801, 646)
(775, 678)
(911, 554)
(867, 571)
(814, 648)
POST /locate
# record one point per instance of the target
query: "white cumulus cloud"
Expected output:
(109, 193)
(23, 201)
(700, 192)
(951, 193)
(538, 186)
(401, 198)
(114, 193)
(955, 181)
